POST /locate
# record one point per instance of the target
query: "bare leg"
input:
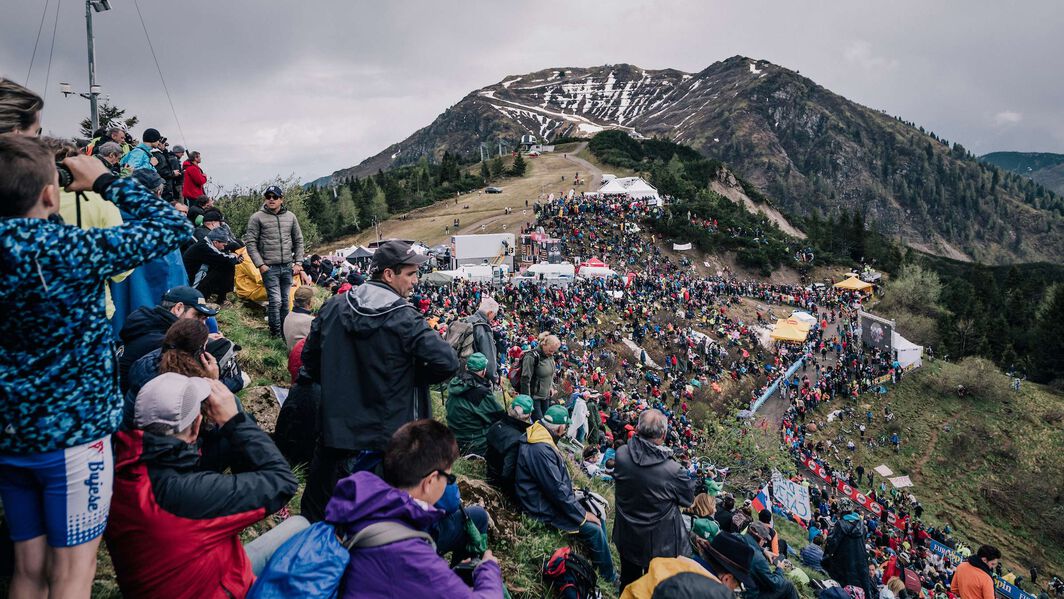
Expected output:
(73, 569)
(30, 580)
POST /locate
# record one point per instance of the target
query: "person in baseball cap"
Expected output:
(170, 403)
(395, 263)
(191, 298)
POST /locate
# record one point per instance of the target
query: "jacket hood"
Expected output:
(146, 320)
(646, 454)
(537, 433)
(370, 303)
(363, 499)
(157, 450)
(852, 529)
(464, 382)
(281, 211)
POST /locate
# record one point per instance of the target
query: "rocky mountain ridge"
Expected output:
(810, 151)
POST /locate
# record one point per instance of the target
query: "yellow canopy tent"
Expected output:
(854, 284)
(786, 331)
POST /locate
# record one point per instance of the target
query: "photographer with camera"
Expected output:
(59, 399)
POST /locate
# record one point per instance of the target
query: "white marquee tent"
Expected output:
(634, 187)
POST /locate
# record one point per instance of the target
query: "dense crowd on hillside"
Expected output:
(122, 422)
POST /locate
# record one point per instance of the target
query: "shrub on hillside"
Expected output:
(973, 377)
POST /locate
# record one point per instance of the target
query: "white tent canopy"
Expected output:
(635, 187)
(804, 317)
(909, 354)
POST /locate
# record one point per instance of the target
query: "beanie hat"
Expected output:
(151, 136)
(556, 415)
(476, 362)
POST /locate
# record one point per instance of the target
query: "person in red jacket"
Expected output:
(192, 187)
(175, 526)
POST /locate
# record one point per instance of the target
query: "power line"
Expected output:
(55, 25)
(160, 71)
(38, 41)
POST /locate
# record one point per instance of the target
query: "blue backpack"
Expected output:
(312, 562)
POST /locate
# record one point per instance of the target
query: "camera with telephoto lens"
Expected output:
(65, 176)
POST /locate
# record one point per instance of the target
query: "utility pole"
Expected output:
(94, 90)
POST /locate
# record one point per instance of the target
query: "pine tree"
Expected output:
(518, 168)
(497, 167)
(485, 172)
(109, 113)
(346, 212)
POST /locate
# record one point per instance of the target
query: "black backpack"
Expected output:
(568, 575)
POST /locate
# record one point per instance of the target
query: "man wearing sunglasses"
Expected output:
(275, 245)
(416, 472)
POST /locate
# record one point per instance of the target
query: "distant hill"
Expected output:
(808, 150)
(1044, 168)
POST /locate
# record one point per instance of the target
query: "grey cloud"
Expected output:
(266, 88)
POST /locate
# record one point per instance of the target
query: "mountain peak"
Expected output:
(811, 151)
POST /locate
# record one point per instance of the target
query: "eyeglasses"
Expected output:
(451, 478)
(270, 196)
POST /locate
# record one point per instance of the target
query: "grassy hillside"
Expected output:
(988, 463)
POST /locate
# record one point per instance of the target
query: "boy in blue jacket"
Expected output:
(59, 399)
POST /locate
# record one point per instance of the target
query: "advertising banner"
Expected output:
(867, 502)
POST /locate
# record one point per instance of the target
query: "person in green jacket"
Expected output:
(472, 406)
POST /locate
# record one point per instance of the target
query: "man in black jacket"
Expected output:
(651, 488)
(375, 357)
(210, 267)
(504, 437)
(145, 328)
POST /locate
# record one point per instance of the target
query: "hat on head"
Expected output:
(189, 297)
(691, 584)
(151, 136)
(218, 234)
(846, 505)
(706, 528)
(476, 362)
(396, 253)
(148, 177)
(178, 150)
(524, 402)
(556, 415)
(275, 190)
(213, 215)
(734, 555)
(170, 399)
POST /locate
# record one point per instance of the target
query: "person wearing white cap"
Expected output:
(175, 528)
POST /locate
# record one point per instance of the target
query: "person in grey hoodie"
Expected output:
(375, 357)
(275, 245)
(651, 487)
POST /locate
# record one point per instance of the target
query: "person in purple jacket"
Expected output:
(417, 470)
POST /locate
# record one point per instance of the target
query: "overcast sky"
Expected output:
(266, 88)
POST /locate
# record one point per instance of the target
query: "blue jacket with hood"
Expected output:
(58, 380)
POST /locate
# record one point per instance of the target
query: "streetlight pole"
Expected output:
(93, 93)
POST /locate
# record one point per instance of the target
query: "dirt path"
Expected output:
(594, 174)
(931, 444)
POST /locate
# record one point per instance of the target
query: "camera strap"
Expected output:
(78, 198)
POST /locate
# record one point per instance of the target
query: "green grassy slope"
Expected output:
(988, 464)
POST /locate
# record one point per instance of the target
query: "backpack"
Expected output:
(460, 337)
(593, 502)
(568, 575)
(515, 373)
(313, 561)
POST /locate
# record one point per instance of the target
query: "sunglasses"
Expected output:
(270, 196)
(450, 476)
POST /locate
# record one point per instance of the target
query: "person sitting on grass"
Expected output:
(545, 490)
(503, 439)
(175, 527)
(416, 473)
(472, 406)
